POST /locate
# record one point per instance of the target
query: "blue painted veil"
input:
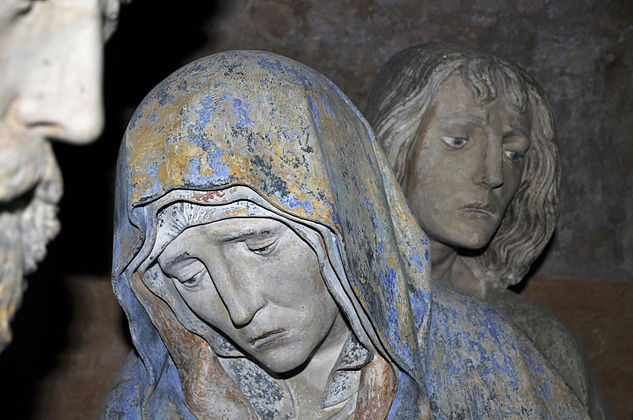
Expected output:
(257, 127)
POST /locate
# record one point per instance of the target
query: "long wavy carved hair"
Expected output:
(399, 99)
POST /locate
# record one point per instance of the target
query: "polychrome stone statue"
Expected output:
(50, 89)
(471, 140)
(270, 268)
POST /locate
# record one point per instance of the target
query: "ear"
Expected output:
(209, 392)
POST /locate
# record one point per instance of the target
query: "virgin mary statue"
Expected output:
(270, 268)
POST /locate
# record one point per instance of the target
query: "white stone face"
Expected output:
(51, 55)
(259, 283)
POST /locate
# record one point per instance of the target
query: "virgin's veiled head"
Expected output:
(260, 129)
(255, 136)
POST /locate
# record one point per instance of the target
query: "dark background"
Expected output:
(70, 336)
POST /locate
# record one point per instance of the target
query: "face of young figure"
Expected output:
(466, 165)
(259, 283)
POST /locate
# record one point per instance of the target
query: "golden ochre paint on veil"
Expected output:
(281, 130)
(292, 140)
(262, 122)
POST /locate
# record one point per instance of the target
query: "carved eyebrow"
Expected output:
(179, 258)
(516, 130)
(460, 118)
(244, 234)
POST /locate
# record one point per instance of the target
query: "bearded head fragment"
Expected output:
(50, 89)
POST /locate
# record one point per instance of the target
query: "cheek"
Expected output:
(206, 304)
(303, 284)
(511, 181)
(297, 276)
(434, 178)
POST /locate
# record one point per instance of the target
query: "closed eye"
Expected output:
(194, 280)
(262, 248)
(456, 142)
(189, 273)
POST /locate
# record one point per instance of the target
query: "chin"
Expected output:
(282, 362)
(474, 244)
(476, 235)
(470, 239)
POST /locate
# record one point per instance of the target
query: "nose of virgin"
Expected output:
(239, 293)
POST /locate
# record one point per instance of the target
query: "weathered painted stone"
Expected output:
(580, 54)
(472, 142)
(249, 134)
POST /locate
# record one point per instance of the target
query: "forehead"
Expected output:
(455, 97)
(223, 231)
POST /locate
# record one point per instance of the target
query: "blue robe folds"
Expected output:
(259, 120)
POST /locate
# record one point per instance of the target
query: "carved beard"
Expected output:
(27, 222)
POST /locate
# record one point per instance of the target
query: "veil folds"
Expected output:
(257, 120)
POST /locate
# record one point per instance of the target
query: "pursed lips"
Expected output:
(269, 338)
(480, 210)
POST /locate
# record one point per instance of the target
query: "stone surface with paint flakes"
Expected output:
(263, 130)
(470, 137)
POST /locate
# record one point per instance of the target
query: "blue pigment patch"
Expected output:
(293, 202)
(388, 276)
(327, 106)
(368, 206)
(165, 98)
(240, 108)
(221, 171)
(380, 248)
(418, 262)
(332, 212)
(204, 113)
(153, 117)
(152, 172)
(276, 65)
(138, 114)
(419, 304)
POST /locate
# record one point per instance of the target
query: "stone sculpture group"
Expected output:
(270, 266)
(471, 139)
(265, 255)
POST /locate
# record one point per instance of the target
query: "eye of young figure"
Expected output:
(456, 142)
(515, 145)
(467, 128)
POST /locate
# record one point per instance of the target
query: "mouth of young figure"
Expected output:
(478, 210)
(269, 338)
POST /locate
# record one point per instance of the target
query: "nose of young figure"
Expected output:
(61, 93)
(491, 170)
(239, 294)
